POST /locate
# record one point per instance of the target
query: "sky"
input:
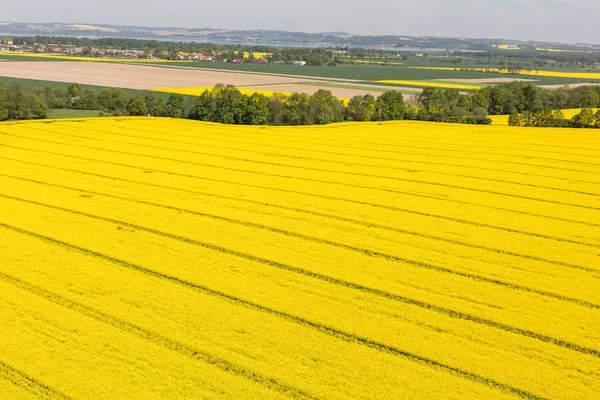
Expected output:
(567, 21)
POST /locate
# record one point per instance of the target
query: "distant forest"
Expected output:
(517, 59)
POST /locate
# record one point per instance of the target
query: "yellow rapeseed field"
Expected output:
(556, 74)
(568, 113)
(197, 91)
(507, 46)
(443, 85)
(147, 258)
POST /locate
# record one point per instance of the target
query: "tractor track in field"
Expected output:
(365, 203)
(190, 352)
(360, 186)
(323, 160)
(29, 384)
(316, 214)
(325, 278)
(363, 251)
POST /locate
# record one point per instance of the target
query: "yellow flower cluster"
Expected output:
(152, 258)
(199, 90)
(503, 119)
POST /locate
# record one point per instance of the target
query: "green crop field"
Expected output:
(368, 72)
(65, 114)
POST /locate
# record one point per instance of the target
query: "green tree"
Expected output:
(481, 98)
(87, 100)
(584, 119)
(204, 107)
(114, 101)
(137, 106)
(36, 107)
(561, 98)
(590, 98)
(74, 91)
(390, 106)
(3, 108)
(151, 100)
(257, 110)
(230, 104)
(542, 117)
(175, 105)
(277, 109)
(324, 108)
(59, 98)
(16, 101)
(514, 120)
(597, 119)
(297, 109)
(160, 110)
(361, 108)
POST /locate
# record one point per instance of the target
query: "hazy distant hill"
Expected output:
(260, 37)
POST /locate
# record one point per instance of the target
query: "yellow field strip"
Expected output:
(524, 202)
(556, 74)
(195, 317)
(478, 231)
(382, 263)
(99, 351)
(288, 260)
(198, 91)
(395, 326)
(442, 85)
(468, 262)
(503, 119)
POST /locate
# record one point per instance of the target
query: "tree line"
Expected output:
(586, 118)
(20, 103)
(226, 104)
(521, 99)
(527, 104)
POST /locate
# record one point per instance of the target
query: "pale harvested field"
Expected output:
(130, 76)
(338, 92)
(573, 85)
(148, 77)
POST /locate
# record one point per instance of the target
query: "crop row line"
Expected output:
(334, 141)
(29, 384)
(159, 340)
(365, 203)
(351, 338)
(388, 145)
(360, 186)
(361, 155)
(455, 139)
(331, 161)
(316, 214)
(325, 278)
(313, 239)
